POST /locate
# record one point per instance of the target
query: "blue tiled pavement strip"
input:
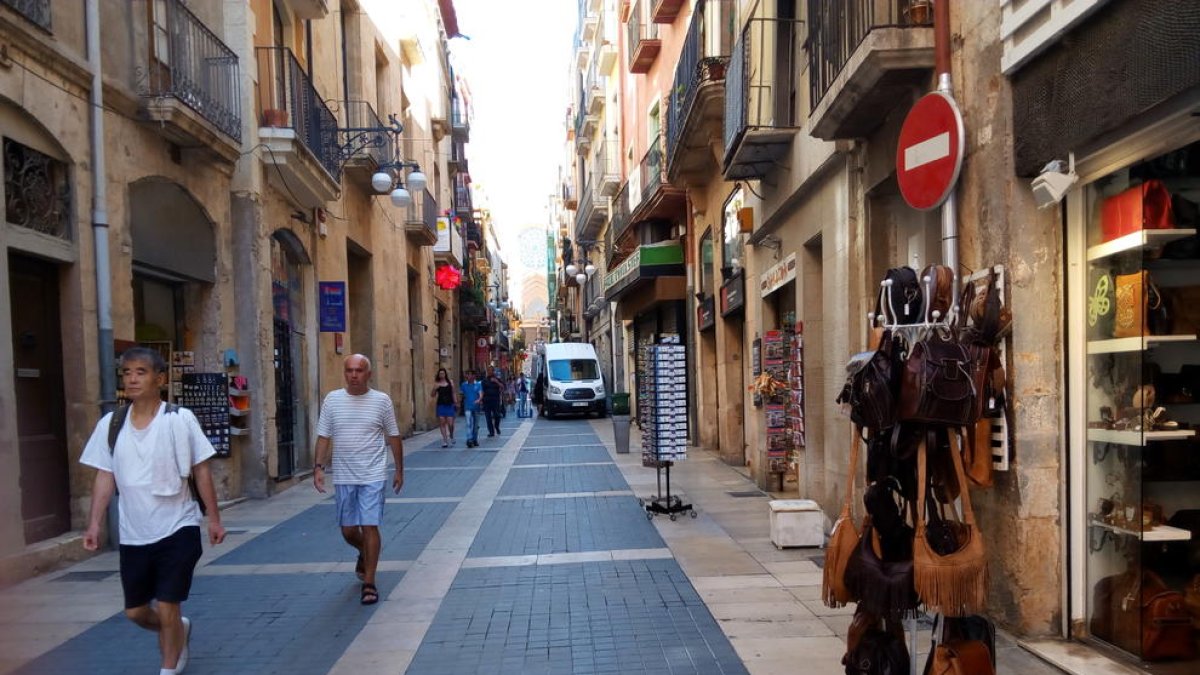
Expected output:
(285, 601)
(606, 617)
(245, 624)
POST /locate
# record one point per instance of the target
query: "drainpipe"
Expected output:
(941, 51)
(108, 385)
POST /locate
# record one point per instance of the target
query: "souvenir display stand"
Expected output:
(207, 396)
(663, 404)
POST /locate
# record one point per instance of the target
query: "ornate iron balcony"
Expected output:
(290, 100)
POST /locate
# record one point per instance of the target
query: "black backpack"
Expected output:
(114, 429)
(907, 299)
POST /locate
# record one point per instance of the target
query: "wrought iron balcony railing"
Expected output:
(759, 81)
(835, 30)
(188, 62)
(363, 137)
(642, 40)
(618, 222)
(290, 100)
(424, 210)
(37, 11)
(651, 168)
(462, 196)
(696, 66)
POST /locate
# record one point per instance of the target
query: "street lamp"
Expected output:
(389, 177)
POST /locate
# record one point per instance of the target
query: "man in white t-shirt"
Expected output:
(157, 447)
(361, 422)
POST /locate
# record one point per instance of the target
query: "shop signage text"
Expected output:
(733, 295)
(627, 267)
(333, 306)
(778, 275)
(706, 313)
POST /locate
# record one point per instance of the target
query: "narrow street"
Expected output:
(528, 555)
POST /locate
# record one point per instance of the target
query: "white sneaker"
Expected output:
(183, 653)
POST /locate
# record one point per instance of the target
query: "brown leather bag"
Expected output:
(843, 540)
(961, 657)
(1140, 308)
(940, 290)
(954, 584)
(1166, 624)
(881, 587)
(942, 382)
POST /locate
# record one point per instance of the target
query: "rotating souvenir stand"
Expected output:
(663, 393)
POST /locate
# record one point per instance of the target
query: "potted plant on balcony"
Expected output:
(275, 117)
(918, 11)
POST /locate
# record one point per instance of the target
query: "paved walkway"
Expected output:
(529, 554)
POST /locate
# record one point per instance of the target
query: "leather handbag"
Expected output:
(945, 536)
(1139, 307)
(881, 587)
(871, 393)
(1141, 207)
(864, 621)
(878, 652)
(954, 584)
(1166, 624)
(939, 290)
(843, 540)
(961, 657)
(1183, 306)
(942, 382)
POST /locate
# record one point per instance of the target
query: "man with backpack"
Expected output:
(151, 451)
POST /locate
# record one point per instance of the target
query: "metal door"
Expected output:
(41, 422)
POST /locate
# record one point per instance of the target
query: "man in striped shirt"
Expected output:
(361, 422)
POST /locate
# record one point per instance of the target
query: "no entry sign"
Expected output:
(930, 153)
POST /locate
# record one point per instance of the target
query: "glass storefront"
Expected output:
(1134, 261)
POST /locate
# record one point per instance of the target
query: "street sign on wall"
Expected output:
(930, 152)
(332, 306)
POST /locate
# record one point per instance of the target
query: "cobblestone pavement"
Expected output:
(530, 554)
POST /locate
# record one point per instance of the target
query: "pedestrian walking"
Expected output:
(361, 422)
(472, 401)
(150, 452)
(493, 393)
(443, 391)
(522, 386)
(539, 392)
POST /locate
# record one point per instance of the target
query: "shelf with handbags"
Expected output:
(1143, 362)
(920, 404)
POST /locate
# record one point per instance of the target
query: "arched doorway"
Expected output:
(287, 299)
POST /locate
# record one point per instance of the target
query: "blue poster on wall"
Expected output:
(333, 306)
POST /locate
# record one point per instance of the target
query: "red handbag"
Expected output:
(1142, 207)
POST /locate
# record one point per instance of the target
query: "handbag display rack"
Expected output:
(933, 322)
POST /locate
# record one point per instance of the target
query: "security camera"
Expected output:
(1053, 183)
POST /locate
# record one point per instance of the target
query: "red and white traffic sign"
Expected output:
(930, 153)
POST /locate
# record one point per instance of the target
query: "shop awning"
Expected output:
(646, 262)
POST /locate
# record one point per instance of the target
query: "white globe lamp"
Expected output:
(401, 198)
(572, 270)
(590, 269)
(581, 278)
(416, 181)
(381, 181)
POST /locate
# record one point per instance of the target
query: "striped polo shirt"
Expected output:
(357, 425)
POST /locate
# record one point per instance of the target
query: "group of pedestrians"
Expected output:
(487, 398)
(155, 454)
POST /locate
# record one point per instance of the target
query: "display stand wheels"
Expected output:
(665, 503)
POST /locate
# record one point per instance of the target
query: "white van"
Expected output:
(573, 380)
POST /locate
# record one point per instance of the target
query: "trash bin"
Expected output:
(621, 424)
(620, 403)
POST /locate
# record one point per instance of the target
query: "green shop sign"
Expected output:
(651, 260)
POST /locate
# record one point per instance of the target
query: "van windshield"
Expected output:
(569, 370)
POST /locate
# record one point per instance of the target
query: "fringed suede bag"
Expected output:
(884, 588)
(954, 584)
(842, 540)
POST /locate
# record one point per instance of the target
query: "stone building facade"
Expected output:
(239, 141)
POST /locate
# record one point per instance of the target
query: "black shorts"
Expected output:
(162, 570)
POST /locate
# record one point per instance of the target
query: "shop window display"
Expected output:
(1142, 459)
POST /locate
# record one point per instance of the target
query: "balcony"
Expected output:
(37, 11)
(863, 56)
(448, 250)
(760, 98)
(421, 225)
(585, 127)
(460, 120)
(364, 147)
(643, 41)
(299, 130)
(462, 196)
(607, 169)
(309, 9)
(458, 157)
(659, 199)
(589, 26)
(569, 198)
(665, 11)
(606, 55)
(188, 80)
(474, 235)
(592, 212)
(697, 104)
(618, 238)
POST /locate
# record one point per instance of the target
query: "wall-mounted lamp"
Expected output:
(388, 178)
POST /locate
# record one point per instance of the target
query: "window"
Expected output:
(37, 195)
(731, 251)
(706, 263)
(572, 370)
